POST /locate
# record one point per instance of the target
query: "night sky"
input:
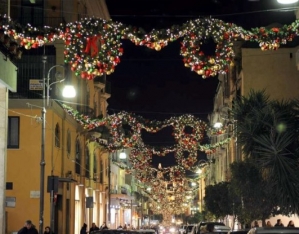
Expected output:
(155, 84)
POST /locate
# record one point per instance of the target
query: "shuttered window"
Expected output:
(13, 133)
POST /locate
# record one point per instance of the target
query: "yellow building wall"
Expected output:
(275, 71)
(24, 163)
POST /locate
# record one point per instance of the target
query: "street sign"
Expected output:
(35, 84)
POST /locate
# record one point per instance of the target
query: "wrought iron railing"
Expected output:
(54, 22)
(30, 68)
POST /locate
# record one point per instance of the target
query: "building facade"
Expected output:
(76, 171)
(274, 71)
(8, 83)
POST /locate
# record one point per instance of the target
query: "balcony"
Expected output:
(100, 82)
(86, 110)
(120, 193)
(53, 22)
(30, 69)
(123, 190)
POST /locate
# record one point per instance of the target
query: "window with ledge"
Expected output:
(101, 171)
(57, 135)
(13, 133)
(87, 163)
(78, 158)
(95, 174)
(32, 12)
(68, 142)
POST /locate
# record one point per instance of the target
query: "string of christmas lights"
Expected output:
(168, 187)
(93, 46)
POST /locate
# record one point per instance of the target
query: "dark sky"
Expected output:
(156, 85)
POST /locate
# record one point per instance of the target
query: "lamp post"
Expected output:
(46, 90)
(122, 155)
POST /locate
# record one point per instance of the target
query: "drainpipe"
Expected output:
(109, 192)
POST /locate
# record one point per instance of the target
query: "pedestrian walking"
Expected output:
(269, 224)
(291, 224)
(28, 228)
(104, 226)
(93, 228)
(84, 229)
(279, 223)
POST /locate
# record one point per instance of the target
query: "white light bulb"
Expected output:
(69, 91)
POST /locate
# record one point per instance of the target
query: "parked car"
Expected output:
(168, 230)
(275, 230)
(240, 231)
(218, 227)
(122, 231)
(188, 228)
(146, 231)
(115, 231)
(182, 229)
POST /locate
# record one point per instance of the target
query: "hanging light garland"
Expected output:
(93, 46)
(189, 143)
(165, 200)
(158, 179)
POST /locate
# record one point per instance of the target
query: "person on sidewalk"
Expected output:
(28, 228)
(94, 227)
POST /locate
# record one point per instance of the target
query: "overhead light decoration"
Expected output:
(287, 1)
(93, 47)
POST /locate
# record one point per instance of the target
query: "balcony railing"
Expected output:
(123, 190)
(108, 87)
(30, 68)
(53, 22)
(86, 110)
(113, 191)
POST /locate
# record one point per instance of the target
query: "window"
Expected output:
(101, 171)
(94, 166)
(106, 169)
(87, 163)
(68, 142)
(13, 133)
(78, 158)
(57, 135)
(32, 13)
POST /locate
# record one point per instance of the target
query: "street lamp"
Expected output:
(46, 89)
(68, 91)
(122, 155)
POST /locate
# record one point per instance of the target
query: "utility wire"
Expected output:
(283, 9)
